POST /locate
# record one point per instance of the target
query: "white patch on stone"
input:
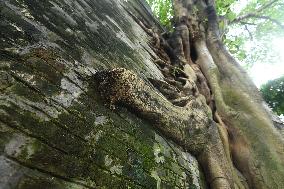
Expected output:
(183, 180)
(12, 49)
(159, 158)
(27, 14)
(155, 175)
(45, 17)
(93, 26)
(28, 77)
(108, 161)
(69, 30)
(98, 135)
(100, 120)
(192, 165)
(17, 144)
(70, 87)
(94, 137)
(64, 98)
(165, 148)
(71, 90)
(17, 28)
(117, 169)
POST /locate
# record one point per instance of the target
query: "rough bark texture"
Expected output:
(255, 147)
(95, 95)
(55, 130)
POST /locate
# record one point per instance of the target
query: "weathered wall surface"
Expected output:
(55, 131)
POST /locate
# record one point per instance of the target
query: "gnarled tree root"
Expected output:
(190, 126)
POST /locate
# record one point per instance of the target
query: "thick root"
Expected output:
(190, 126)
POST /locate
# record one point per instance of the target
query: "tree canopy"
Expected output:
(93, 95)
(247, 27)
(163, 10)
(273, 93)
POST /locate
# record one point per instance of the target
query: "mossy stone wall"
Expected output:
(55, 130)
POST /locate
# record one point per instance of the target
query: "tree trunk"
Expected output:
(93, 95)
(55, 130)
(256, 149)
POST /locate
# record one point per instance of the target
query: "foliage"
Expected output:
(255, 24)
(224, 9)
(248, 28)
(242, 23)
(163, 9)
(273, 94)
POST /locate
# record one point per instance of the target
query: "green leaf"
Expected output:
(273, 94)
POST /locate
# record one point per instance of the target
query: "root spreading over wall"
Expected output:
(205, 103)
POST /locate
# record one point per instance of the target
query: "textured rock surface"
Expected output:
(55, 131)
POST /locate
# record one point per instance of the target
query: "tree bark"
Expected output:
(256, 147)
(55, 130)
(93, 95)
